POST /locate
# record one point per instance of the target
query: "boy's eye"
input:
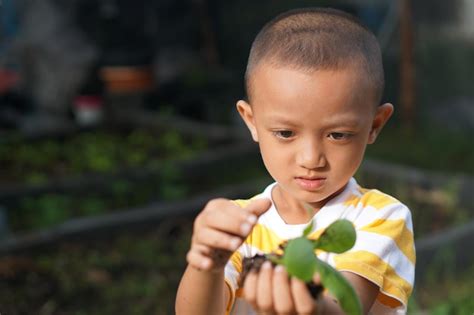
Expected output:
(339, 135)
(284, 134)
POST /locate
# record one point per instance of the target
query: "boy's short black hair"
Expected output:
(318, 39)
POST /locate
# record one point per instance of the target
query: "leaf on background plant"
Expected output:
(339, 237)
(339, 287)
(299, 258)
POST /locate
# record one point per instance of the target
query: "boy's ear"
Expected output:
(245, 111)
(382, 115)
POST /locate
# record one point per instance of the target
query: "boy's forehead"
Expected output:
(277, 82)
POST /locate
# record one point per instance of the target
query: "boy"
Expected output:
(314, 82)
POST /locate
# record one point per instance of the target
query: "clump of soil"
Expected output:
(250, 264)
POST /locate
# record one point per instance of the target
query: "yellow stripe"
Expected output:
(236, 260)
(239, 293)
(263, 239)
(388, 301)
(230, 302)
(375, 269)
(373, 198)
(396, 230)
(242, 202)
(245, 202)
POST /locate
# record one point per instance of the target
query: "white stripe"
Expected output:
(363, 216)
(231, 274)
(249, 250)
(387, 250)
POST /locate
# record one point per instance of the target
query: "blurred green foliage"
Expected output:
(448, 292)
(101, 151)
(94, 152)
(427, 147)
(132, 273)
(48, 210)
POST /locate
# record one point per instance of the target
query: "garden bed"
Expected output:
(50, 181)
(131, 273)
(129, 265)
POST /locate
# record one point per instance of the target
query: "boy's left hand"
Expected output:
(272, 291)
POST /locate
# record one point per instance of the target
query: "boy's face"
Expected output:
(312, 127)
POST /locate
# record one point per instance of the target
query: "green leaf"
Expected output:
(339, 237)
(299, 258)
(308, 229)
(339, 287)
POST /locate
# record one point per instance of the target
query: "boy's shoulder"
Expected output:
(358, 196)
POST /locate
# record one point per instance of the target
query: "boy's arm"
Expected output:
(202, 292)
(218, 231)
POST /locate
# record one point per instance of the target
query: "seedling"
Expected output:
(300, 261)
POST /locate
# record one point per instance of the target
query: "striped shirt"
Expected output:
(384, 252)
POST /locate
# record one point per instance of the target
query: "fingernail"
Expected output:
(245, 228)
(252, 219)
(234, 243)
(267, 265)
(279, 268)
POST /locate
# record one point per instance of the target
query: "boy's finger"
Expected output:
(217, 239)
(264, 288)
(198, 260)
(282, 299)
(250, 288)
(304, 303)
(259, 206)
(231, 220)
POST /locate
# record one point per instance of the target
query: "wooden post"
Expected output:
(407, 66)
(208, 35)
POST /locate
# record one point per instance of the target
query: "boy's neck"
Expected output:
(292, 211)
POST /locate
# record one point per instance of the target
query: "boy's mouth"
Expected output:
(310, 183)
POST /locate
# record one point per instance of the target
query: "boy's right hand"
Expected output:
(220, 228)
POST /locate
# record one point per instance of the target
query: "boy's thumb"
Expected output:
(259, 206)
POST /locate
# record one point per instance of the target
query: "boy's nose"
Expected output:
(311, 156)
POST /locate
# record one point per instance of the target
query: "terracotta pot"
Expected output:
(126, 79)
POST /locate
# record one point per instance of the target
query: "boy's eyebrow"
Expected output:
(346, 120)
(280, 119)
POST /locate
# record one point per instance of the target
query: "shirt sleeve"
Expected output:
(233, 268)
(384, 253)
(232, 273)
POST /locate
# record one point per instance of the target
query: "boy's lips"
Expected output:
(310, 183)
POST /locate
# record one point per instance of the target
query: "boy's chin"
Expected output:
(312, 197)
(317, 199)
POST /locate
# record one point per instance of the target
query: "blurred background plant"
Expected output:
(110, 109)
